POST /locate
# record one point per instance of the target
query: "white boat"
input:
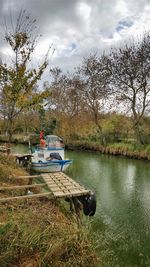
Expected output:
(50, 156)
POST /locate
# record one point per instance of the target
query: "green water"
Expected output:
(19, 149)
(121, 224)
(122, 220)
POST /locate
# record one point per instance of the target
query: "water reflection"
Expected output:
(129, 180)
(122, 220)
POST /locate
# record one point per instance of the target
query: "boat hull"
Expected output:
(50, 166)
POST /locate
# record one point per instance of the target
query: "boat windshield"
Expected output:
(53, 141)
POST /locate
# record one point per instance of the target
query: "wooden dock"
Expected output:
(57, 185)
(62, 185)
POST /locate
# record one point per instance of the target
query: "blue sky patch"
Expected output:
(73, 46)
(123, 24)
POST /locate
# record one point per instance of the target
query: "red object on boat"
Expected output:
(42, 143)
(41, 134)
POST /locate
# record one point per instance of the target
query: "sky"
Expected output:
(77, 28)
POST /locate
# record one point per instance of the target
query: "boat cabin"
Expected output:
(53, 141)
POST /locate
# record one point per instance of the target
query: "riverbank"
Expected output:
(130, 150)
(21, 139)
(39, 232)
(117, 149)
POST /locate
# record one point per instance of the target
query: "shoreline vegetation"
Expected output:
(40, 232)
(126, 149)
(133, 151)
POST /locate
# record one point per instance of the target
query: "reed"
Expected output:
(125, 149)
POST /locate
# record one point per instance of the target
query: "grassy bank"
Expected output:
(37, 233)
(131, 150)
(21, 139)
(128, 150)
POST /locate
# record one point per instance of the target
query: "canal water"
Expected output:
(121, 224)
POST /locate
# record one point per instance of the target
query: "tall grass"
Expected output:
(37, 233)
(9, 168)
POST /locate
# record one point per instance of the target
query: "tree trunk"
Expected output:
(10, 130)
(138, 134)
(103, 139)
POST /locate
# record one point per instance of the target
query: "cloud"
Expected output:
(77, 28)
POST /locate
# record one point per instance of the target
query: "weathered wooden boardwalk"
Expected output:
(62, 185)
(59, 184)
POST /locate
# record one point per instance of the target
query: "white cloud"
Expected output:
(122, 8)
(76, 28)
(84, 10)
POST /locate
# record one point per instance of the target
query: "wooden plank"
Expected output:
(59, 175)
(73, 192)
(63, 185)
(21, 186)
(25, 197)
(59, 194)
(63, 188)
(71, 187)
(60, 190)
(55, 179)
(53, 187)
(58, 183)
(51, 184)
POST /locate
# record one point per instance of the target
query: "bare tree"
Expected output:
(130, 70)
(95, 77)
(65, 93)
(18, 82)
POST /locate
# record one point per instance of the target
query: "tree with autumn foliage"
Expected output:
(95, 78)
(65, 101)
(18, 81)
